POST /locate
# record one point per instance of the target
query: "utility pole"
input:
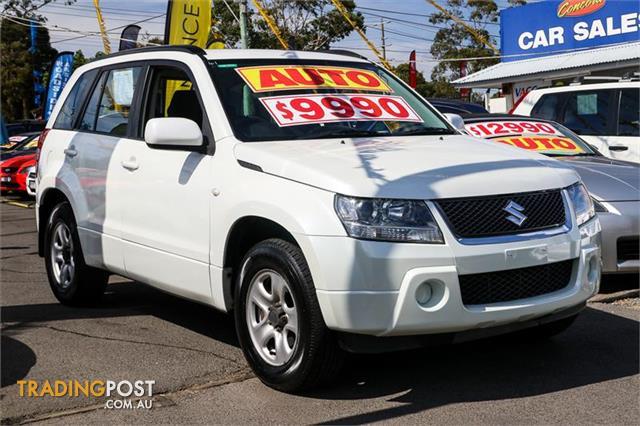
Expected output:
(244, 36)
(384, 40)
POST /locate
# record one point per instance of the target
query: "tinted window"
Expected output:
(547, 107)
(587, 112)
(115, 104)
(67, 116)
(172, 94)
(628, 121)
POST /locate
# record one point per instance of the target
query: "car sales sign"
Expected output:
(549, 27)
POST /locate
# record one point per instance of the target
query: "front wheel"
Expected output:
(278, 320)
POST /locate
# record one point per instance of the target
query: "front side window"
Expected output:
(109, 108)
(587, 112)
(303, 99)
(629, 117)
(72, 104)
(172, 94)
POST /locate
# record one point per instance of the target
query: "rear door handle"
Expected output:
(70, 152)
(130, 165)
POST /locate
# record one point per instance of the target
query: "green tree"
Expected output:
(424, 87)
(79, 59)
(17, 62)
(305, 24)
(455, 41)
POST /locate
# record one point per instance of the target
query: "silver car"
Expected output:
(614, 185)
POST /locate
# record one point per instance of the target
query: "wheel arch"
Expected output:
(245, 233)
(48, 200)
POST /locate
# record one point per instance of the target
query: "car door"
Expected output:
(167, 192)
(100, 132)
(627, 126)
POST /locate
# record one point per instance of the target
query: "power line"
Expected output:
(416, 14)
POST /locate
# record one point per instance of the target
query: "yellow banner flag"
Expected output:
(188, 23)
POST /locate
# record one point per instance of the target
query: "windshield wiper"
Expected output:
(354, 133)
(425, 131)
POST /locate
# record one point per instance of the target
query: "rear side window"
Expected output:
(72, 105)
(109, 108)
(587, 112)
(547, 107)
(629, 117)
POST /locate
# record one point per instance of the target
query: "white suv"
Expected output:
(607, 115)
(314, 195)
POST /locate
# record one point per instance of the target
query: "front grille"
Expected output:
(514, 284)
(485, 216)
(628, 248)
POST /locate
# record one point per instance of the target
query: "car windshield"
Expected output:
(32, 143)
(541, 136)
(295, 99)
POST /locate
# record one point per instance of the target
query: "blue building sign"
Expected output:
(553, 27)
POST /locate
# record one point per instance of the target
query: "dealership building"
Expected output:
(552, 43)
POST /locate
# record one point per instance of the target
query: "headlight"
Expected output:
(27, 170)
(407, 221)
(582, 203)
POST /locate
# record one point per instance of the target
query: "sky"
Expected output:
(404, 24)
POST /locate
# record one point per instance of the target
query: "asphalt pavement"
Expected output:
(589, 374)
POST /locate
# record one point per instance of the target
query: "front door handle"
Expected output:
(130, 165)
(70, 152)
(618, 148)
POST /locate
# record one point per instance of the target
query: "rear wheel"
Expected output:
(278, 320)
(71, 280)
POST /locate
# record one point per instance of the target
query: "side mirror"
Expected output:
(455, 120)
(172, 131)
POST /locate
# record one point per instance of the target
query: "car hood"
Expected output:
(417, 167)
(17, 161)
(608, 179)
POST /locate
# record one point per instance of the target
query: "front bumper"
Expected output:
(371, 288)
(622, 221)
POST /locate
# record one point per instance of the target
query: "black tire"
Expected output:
(546, 331)
(87, 284)
(316, 359)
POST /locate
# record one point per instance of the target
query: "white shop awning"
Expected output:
(555, 66)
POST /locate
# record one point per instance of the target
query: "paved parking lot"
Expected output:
(587, 375)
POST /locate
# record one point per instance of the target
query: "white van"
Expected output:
(314, 195)
(607, 115)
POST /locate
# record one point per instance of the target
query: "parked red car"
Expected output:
(14, 171)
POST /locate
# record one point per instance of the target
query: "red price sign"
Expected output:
(327, 108)
(503, 128)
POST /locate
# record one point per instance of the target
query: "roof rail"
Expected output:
(341, 52)
(168, 47)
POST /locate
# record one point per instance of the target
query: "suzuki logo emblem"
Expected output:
(516, 216)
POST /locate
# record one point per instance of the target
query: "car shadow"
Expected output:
(598, 347)
(16, 359)
(127, 299)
